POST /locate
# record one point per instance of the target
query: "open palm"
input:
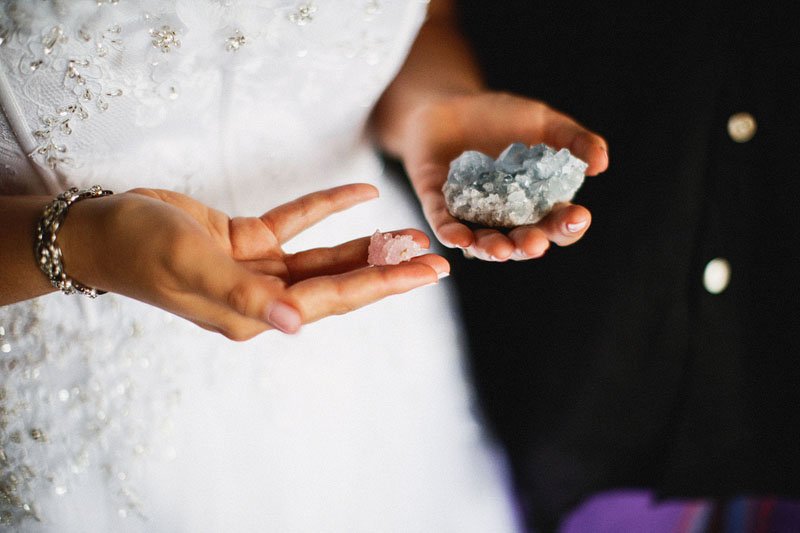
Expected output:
(489, 122)
(231, 275)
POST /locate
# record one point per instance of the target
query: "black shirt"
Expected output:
(608, 363)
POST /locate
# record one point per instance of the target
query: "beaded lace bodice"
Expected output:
(110, 90)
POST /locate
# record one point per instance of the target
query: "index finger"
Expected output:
(563, 131)
(289, 219)
(521, 119)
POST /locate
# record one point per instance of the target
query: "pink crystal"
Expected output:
(385, 249)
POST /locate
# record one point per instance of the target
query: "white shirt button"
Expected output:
(742, 127)
(717, 275)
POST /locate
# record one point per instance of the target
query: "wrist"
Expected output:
(82, 243)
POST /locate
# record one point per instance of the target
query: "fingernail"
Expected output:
(605, 152)
(518, 255)
(283, 317)
(442, 270)
(577, 226)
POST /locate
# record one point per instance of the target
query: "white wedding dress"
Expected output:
(115, 416)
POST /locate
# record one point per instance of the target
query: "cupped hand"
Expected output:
(231, 275)
(488, 122)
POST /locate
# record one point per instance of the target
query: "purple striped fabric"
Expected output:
(636, 511)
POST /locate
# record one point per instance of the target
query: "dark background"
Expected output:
(607, 364)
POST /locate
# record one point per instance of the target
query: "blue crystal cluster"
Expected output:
(520, 187)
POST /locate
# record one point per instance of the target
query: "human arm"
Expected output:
(226, 275)
(438, 106)
(20, 279)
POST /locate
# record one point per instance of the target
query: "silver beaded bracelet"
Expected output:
(46, 249)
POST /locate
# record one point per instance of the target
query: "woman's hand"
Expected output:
(231, 275)
(488, 122)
